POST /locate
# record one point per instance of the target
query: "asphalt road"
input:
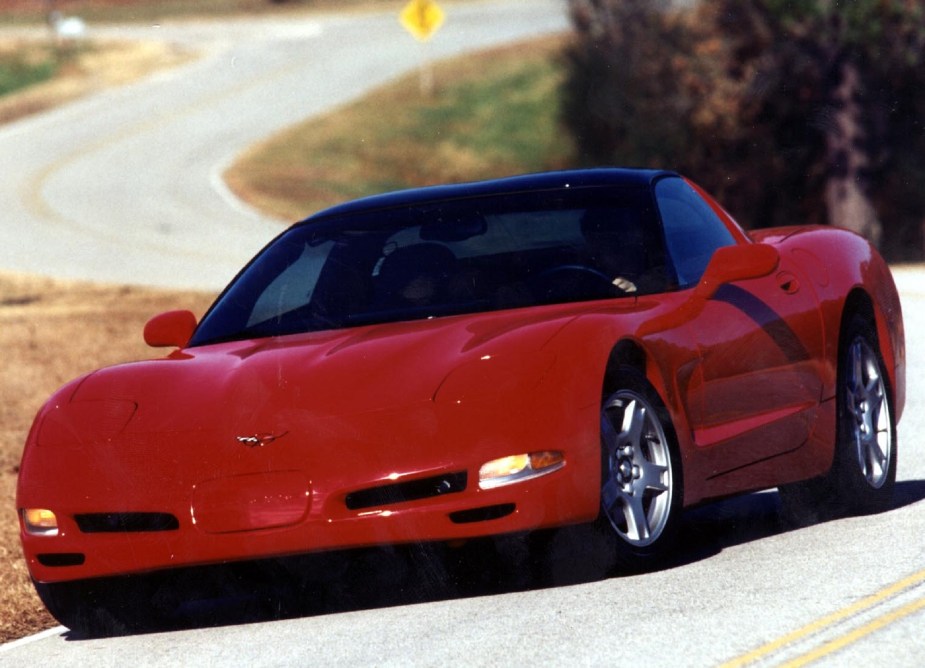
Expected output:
(744, 590)
(125, 187)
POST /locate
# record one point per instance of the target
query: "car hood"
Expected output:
(257, 382)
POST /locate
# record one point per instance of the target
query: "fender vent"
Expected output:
(402, 492)
(126, 522)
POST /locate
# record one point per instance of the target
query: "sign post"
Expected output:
(422, 18)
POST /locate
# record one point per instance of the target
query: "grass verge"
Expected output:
(491, 114)
(51, 332)
(21, 68)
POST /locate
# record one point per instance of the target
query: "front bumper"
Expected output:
(120, 545)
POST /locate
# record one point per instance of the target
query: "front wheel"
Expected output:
(641, 474)
(863, 472)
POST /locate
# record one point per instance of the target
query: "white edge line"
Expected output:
(220, 186)
(13, 644)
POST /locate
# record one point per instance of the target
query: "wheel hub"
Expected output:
(624, 468)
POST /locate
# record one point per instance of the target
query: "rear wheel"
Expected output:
(863, 472)
(641, 474)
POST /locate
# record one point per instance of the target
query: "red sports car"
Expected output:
(477, 360)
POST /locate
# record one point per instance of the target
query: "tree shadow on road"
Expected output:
(344, 581)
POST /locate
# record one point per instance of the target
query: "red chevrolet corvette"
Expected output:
(602, 346)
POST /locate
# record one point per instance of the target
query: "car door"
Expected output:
(756, 390)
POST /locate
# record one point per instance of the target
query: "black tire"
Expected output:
(863, 474)
(641, 478)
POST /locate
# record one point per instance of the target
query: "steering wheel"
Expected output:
(574, 282)
(579, 268)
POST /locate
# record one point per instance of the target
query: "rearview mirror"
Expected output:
(170, 329)
(453, 231)
(737, 263)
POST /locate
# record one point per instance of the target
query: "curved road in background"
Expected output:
(125, 187)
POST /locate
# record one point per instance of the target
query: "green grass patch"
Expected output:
(18, 71)
(489, 115)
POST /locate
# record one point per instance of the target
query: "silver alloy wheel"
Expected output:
(637, 484)
(869, 413)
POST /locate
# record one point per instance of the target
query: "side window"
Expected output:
(692, 230)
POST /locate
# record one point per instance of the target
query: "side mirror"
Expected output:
(728, 264)
(737, 263)
(170, 329)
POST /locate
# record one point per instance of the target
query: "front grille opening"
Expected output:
(401, 492)
(482, 514)
(126, 522)
(61, 559)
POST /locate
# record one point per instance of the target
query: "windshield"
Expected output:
(445, 258)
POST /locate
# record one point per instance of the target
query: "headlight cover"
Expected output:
(81, 423)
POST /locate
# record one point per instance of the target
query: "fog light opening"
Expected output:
(40, 522)
(516, 468)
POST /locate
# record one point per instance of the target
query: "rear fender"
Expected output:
(882, 298)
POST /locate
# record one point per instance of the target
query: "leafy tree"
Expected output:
(829, 102)
(793, 110)
(619, 66)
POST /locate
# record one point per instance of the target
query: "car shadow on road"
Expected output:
(344, 581)
(908, 492)
(709, 529)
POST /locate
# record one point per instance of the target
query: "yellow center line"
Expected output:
(857, 634)
(828, 620)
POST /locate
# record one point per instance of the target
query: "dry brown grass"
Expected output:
(102, 325)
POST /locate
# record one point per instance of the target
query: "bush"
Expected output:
(806, 111)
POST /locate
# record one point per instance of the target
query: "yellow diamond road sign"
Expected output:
(422, 18)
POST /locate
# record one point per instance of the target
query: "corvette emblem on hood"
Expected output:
(259, 440)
